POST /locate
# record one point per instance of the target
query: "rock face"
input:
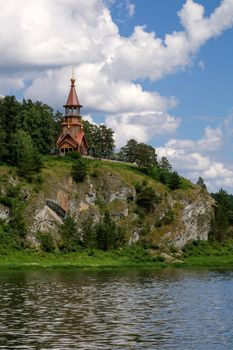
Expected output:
(4, 212)
(195, 222)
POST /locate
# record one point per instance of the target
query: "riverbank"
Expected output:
(197, 255)
(80, 259)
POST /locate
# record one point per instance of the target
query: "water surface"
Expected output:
(123, 309)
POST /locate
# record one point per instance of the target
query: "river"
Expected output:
(116, 309)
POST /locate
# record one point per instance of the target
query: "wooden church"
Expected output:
(72, 137)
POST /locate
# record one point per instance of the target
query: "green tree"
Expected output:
(69, 234)
(146, 197)
(107, 141)
(37, 120)
(145, 156)
(164, 164)
(174, 181)
(128, 152)
(140, 153)
(108, 234)
(10, 110)
(100, 140)
(4, 152)
(25, 154)
(79, 169)
(89, 233)
(201, 183)
(223, 214)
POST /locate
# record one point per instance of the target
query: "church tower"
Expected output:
(72, 137)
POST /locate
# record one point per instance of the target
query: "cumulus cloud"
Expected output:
(53, 33)
(161, 57)
(97, 91)
(141, 126)
(211, 141)
(40, 40)
(197, 158)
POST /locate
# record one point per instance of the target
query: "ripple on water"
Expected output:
(137, 309)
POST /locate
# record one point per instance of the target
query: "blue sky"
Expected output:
(204, 90)
(159, 71)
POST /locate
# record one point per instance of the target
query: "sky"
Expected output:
(158, 71)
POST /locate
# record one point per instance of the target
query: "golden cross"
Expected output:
(73, 72)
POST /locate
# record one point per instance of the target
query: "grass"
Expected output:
(82, 259)
(209, 254)
(197, 255)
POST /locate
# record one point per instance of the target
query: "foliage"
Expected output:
(79, 169)
(69, 234)
(100, 140)
(201, 183)
(128, 152)
(208, 254)
(108, 234)
(140, 153)
(13, 232)
(164, 164)
(46, 241)
(146, 197)
(167, 177)
(167, 219)
(36, 119)
(89, 233)
(223, 215)
(25, 154)
(146, 158)
(174, 181)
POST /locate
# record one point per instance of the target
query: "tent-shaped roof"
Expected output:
(72, 100)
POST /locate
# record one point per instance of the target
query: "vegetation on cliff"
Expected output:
(116, 205)
(66, 205)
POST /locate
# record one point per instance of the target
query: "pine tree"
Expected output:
(201, 183)
(174, 181)
(164, 164)
(25, 154)
(128, 152)
(79, 169)
(145, 156)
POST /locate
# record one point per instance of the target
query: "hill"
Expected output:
(116, 205)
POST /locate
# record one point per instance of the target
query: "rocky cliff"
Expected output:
(179, 217)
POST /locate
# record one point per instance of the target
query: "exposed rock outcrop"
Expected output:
(195, 220)
(4, 212)
(180, 216)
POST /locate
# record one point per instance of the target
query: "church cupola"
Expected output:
(72, 137)
(72, 106)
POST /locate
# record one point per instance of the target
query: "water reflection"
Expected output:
(136, 309)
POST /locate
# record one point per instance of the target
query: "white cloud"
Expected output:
(11, 83)
(197, 158)
(97, 91)
(141, 126)
(162, 57)
(211, 141)
(53, 33)
(130, 8)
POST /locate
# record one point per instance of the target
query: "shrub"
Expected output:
(146, 197)
(73, 155)
(69, 234)
(108, 234)
(79, 169)
(46, 241)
